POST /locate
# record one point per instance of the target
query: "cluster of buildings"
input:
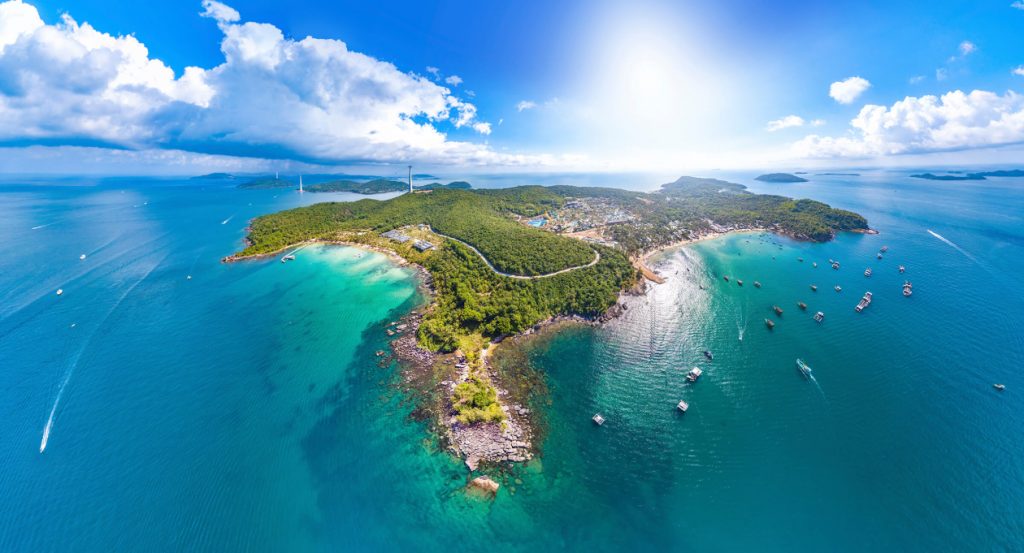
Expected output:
(579, 214)
(398, 236)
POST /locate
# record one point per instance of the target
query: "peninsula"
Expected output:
(502, 261)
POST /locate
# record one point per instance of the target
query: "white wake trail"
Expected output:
(950, 242)
(71, 368)
(225, 221)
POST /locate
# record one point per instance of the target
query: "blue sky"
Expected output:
(574, 85)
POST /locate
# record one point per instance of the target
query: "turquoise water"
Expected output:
(244, 409)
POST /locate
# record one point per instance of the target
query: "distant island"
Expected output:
(840, 174)
(367, 187)
(960, 175)
(267, 183)
(493, 274)
(780, 177)
(214, 176)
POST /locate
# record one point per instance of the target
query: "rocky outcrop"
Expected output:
(485, 484)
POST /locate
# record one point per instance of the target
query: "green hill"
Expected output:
(780, 177)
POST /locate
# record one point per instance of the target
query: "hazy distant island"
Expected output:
(214, 176)
(839, 174)
(367, 187)
(960, 175)
(500, 262)
(780, 177)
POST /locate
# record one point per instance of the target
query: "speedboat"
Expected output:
(999, 387)
(82, 257)
(839, 288)
(803, 368)
(814, 287)
(709, 355)
(819, 316)
(769, 324)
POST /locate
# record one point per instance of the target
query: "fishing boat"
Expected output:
(803, 368)
(908, 288)
(864, 302)
(884, 249)
(819, 316)
(902, 269)
(726, 277)
(815, 264)
(835, 265)
(999, 387)
(802, 305)
(709, 355)
(598, 419)
(768, 323)
(682, 406)
(839, 288)
(694, 374)
(60, 291)
(740, 282)
(867, 272)
(777, 309)
(757, 284)
(814, 288)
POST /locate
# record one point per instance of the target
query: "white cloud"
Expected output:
(941, 74)
(310, 99)
(917, 79)
(954, 121)
(454, 80)
(1019, 4)
(817, 122)
(219, 12)
(524, 105)
(434, 71)
(1019, 70)
(967, 48)
(846, 91)
(786, 122)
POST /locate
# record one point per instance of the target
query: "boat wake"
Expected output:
(41, 226)
(74, 363)
(225, 221)
(950, 242)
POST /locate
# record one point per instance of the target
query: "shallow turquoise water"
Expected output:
(244, 409)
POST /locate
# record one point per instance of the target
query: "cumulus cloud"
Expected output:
(524, 105)
(310, 99)
(817, 122)
(454, 80)
(435, 72)
(1019, 70)
(966, 48)
(846, 91)
(786, 122)
(953, 121)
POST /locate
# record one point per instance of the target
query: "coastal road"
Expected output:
(597, 258)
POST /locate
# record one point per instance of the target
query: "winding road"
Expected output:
(597, 258)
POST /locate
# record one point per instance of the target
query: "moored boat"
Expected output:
(802, 305)
(682, 406)
(902, 269)
(757, 284)
(867, 272)
(598, 419)
(740, 282)
(777, 309)
(814, 287)
(819, 316)
(864, 302)
(726, 277)
(694, 374)
(908, 289)
(709, 355)
(835, 265)
(884, 249)
(999, 387)
(839, 288)
(769, 323)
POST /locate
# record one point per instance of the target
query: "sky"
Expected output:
(576, 85)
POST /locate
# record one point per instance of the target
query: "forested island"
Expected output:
(587, 254)
(960, 176)
(780, 177)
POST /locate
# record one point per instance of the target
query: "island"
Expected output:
(375, 186)
(492, 273)
(960, 175)
(780, 177)
(267, 184)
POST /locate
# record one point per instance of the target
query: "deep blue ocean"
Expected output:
(244, 409)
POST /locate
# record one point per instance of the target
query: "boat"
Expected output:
(803, 368)
(839, 288)
(726, 277)
(694, 374)
(189, 277)
(709, 355)
(815, 264)
(819, 316)
(82, 257)
(800, 259)
(902, 269)
(814, 288)
(835, 265)
(682, 406)
(999, 387)
(884, 249)
(879, 256)
(908, 289)
(757, 284)
(598, 419)
(768, 323)
(740, 282)
(287, 258)
(864, 302)
(60, 291)
(802, 305)
(867, 272)
(777, 309)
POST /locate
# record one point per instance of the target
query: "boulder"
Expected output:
(484, 483)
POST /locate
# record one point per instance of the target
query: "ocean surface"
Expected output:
(244, 408)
